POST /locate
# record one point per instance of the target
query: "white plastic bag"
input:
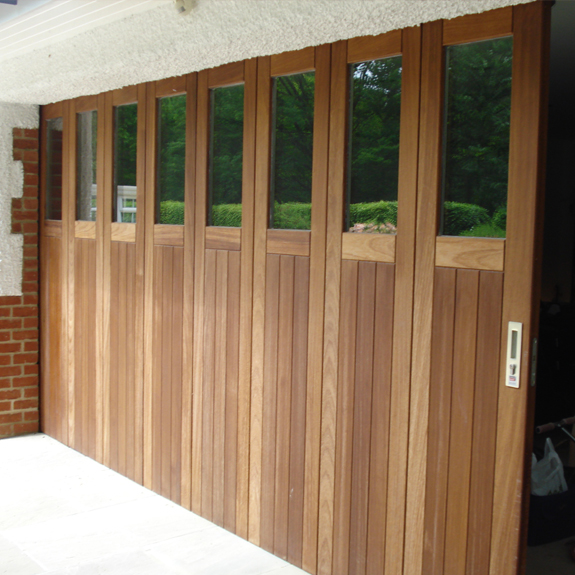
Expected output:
(547, 475)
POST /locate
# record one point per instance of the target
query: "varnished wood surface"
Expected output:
(293, 62)
(123, 232)
(223, 238)
(368, 247)
(470, 253)
(85, 230)
(165, 235)
(52, 228)
(476, 27)
(288, 242)
(374, 47)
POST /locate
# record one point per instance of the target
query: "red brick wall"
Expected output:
(19, 314)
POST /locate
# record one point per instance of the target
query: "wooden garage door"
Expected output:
(336, 397)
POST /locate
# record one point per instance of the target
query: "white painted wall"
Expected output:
(11, 185)
(159, 43)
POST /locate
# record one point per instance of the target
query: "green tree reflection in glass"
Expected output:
(226, 146)
(292, 151)
(171, 160)
(476, 138)
(373, 153)
(125, 155)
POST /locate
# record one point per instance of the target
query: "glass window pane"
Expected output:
(87, 133)
(476, 138)
(373, 155)
(226, 149)
(292, 151)
(125, 154)
(54, 169)
(171, 160)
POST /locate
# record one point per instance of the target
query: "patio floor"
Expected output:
(63, 513)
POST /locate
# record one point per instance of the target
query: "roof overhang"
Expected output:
(68, 48)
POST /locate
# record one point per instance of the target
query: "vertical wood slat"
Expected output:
(462, 395)
(284, 385)
(176, 361)
(362, 416)
(531, 27)
(428, 185)
(156, 399)
(150, 262)
(131, 409)
(112, 397)
(189, 290)
(269, 407)
(484, 423)
(345, 420)
(440, 419)
(103, 237)
(208, 383)
(246, 295)
(199, 278)
(232, 377)
(165, 405)
(298, 411)
(261, 193)
(316, 309)
(138, 297)
(404, 294)
(335, 195)
(380, 417)
(68, 261)
(220, 385)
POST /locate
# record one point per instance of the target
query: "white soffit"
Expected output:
(57, 20)
(158, 43)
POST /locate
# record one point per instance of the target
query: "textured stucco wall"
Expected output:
(159, 44)
(11, 183)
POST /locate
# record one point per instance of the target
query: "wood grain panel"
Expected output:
(462, 394)
(364, 349)
(165, 406)
(439, 420)
(189, 286)
(123, 232)
(374, 47)
(269, 415)
(316, 308)
(226, 75)
(261, 211)
(474, 27)
(155, 465)
(294, 62)
(428, 197)
(284, 384)
(531, 26)
(208, 384)
(298, 411)
(177, 335)
(85, 230)
(220, 384)
(232, 378)
(167, 235)
(51, 297)
(345, 422)
(380, 416)
(52, 229)
(484, 423)
(335, 195)
(218, 238)
(246, 294)
(368, 247)
(170, 86)
(288, 242)
(470, 253)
